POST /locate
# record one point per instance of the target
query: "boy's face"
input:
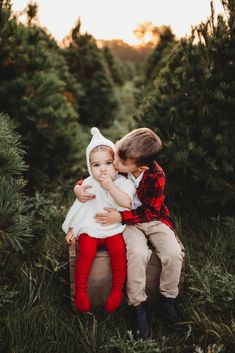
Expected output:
(127, 166)
(102, 163)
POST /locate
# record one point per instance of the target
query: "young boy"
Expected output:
(136, 155)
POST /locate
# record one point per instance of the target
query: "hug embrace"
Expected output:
(122, 205)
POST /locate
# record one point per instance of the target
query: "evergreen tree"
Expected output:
(155, 61)
(128, 53)
(38, 92)
(115, 67)
(192, 108)
(166, 40)
(15, 221)
(32, 10)
(98, 104)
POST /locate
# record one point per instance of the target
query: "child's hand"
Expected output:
(81, 193)
(69, 237)
(105, 181)
(112, 216)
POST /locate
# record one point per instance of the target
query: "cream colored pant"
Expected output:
(169, 250)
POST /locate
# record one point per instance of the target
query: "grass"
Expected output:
(36, 314)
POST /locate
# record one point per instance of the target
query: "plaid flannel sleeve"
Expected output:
(152, 201)
(79, 182)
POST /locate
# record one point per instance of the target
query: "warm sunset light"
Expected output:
(117, 144)
(106, 19)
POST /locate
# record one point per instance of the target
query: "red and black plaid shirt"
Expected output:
(151, 194)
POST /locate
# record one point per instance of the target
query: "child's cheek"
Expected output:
(119, 168)
(112, 173)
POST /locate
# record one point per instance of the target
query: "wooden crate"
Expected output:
(100, 278)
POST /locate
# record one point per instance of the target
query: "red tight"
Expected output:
(87, 247)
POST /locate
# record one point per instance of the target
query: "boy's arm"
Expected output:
(81, 192)
(153, 200)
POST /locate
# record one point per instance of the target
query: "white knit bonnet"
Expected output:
(97, 140)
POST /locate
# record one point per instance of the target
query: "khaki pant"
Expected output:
(169, 250)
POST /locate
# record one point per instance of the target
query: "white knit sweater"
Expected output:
(81, 215)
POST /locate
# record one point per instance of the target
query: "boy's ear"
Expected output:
(144, 168)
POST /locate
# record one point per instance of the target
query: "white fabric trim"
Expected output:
(136, 182)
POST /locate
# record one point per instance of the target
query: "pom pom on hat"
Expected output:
(94, 130)
(97, 140)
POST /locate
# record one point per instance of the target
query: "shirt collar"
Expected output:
(137, 180)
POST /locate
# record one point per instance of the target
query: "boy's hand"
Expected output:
(105, 181)
(69, 237)
(81, 193)
(112, 216)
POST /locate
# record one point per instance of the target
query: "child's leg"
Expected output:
(138, 255)
(87, 247)
(117, 252)
(171, 254)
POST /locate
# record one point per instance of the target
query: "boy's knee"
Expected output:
(174, 255)
(139, 253)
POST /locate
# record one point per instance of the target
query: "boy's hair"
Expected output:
(141, 145)
(102, 148)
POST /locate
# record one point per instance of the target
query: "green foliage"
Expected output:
(48, 214)
(154, 63)
(191, 107)
(15, 221)
(127, 53)
(11, 152)
(14, 213)
(124, 120)
(39, 299)
(212, 348)
(98, 104)
(213, 286)
(37, 91)
(7, 295)
(209, 299)
(31, 10)
(114, 65)
(130, 345)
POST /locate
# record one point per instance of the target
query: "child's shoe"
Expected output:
(140, 321)
(168, 309)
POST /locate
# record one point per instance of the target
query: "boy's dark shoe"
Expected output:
(140, 322)
(168, 309)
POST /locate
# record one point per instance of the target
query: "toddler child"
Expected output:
(111, 191)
